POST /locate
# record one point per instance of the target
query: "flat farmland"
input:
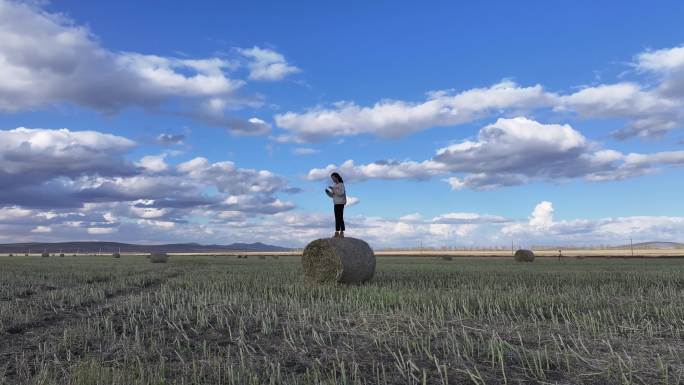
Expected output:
(422, 320)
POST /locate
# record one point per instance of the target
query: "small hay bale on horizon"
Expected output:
(116, 255)
(523, 255)
(447, 257)
(341, 260)
(159, 257)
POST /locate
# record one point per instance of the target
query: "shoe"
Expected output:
(341, 234)
(337, 235)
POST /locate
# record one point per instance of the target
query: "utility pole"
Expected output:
(631, 246)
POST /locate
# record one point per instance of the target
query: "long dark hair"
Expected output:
(337, 176)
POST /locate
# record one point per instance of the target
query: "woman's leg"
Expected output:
(342, 218)
(338, 217)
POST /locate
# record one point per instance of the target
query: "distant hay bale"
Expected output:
(26, 255)
(159, 257)
(524, 256)
(343, 260)
(45, 254)
(447, 257)
(11, 255)
(61, 255)
(116, 255)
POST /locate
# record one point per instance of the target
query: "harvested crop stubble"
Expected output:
(159, 257)
(343, 260)
(524, 255)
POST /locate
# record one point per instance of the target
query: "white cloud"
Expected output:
(542, 216)
(101, 230)
(469, 218)
(47, 59)
(380, 170)
(153, 163)
(511, 152)
(30, 156)
(393, 118)
(42, 229)
(266, 64)
(668, 63)
(543, 229)
(353, 201)
(166, 139)
(649, 111)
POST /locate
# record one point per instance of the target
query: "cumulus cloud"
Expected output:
(266, 64)
(511, 152)
(78, 183)
(668, 64)
(46, 59)
(394, 118)
(166, 139)
(649, 113)
(541, 228)
(153, 163)
(648, 110)
(32, 156)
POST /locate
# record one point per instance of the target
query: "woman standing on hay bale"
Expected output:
(339, 197)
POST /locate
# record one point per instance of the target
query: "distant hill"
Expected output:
(656, 245)
(110, 247)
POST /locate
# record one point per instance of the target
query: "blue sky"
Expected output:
(453, 124)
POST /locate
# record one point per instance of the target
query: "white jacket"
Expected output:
(339, 194)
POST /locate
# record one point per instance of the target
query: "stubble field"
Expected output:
(422, 320)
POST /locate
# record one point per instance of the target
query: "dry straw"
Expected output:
(159, 257)
(343, 260)
(524, 255)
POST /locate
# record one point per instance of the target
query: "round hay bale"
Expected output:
(45, 254)
(343, 260)
(116, 255)
(11, 255)
(524, 256)
(61, 255)
(447, 257)
(159, 257)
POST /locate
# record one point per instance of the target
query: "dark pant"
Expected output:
(339, 217)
